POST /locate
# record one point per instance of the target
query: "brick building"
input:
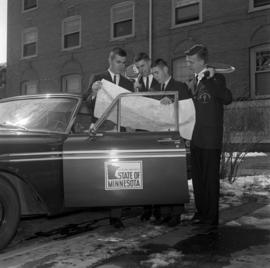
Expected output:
(57, 45)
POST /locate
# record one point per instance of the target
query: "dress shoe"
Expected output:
(196, 219)
(175, 220)
(116, 223)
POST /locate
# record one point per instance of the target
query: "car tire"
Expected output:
(10, 212)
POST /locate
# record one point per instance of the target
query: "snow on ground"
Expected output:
(255, 256)
(166, 258)
(93, 247)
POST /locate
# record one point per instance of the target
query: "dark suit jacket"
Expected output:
(181, 88)
(154, 85)
(209, 96)
(123, 82)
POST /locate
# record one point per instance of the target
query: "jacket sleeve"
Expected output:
(184, 92)
(217, 88)
(88, 93)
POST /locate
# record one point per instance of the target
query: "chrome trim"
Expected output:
(102, 154)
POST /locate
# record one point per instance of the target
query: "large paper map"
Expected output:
(141, 112)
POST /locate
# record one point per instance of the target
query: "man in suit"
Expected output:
(145, 81)
(170, 215)
(209, 95)
(160, 71)
(117, 62)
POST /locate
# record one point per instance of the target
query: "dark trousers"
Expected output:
(116, 212)
(172, 210)
(205, 165)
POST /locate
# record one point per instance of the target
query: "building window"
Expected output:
(29, 87)
(186, 12)
(71, 32)
(255, 5)
(122, 20)
(181, 71)
(260, 71)
(72, 83)
(29, 42)
(29, 4)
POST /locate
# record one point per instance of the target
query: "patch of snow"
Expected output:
(254, 154)
(163, 259)
(233, 223)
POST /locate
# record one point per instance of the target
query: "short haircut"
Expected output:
(141, 56)
(118, 51)
(160, 63)
(200, 50)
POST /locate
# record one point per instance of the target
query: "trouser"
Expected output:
(171, 210)
(116, 212)
(205, 164)
(152, 210)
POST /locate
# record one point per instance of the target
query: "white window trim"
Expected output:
(133, 21)
(253, 70)
(22, 43)
(173, 25)
(253, 9)
(30, 9)
(62, 32)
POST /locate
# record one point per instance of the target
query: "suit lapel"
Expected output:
(154, 84)
(142, 83)
(193, 86)
(108, 76)
(170, 85)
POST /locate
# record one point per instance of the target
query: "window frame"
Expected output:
(252, 66)
(23, 43)
(29, 9)
(63, 34)
(251, 7)
(112, 38)
(173, 8)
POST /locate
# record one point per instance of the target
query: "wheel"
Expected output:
(10, 212)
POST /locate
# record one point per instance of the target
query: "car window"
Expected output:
(83, 120)
(141, 113)
(46, 114)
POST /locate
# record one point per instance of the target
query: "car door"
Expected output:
(124, 168)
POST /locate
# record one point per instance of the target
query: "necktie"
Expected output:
(163, 87)
(114, 79)
(196, 79)
(147, 83)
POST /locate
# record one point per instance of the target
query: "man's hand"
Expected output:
(95, 87)
(166, 101)
(209, 72)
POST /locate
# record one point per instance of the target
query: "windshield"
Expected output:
(41, 114)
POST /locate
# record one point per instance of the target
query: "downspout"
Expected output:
(150, 28)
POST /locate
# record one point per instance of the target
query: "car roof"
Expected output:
(40, 96)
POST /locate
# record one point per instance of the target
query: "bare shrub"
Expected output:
(242, 129)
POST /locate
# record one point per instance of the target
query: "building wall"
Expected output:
(228, 29)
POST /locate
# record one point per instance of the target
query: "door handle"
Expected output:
(165, 140)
